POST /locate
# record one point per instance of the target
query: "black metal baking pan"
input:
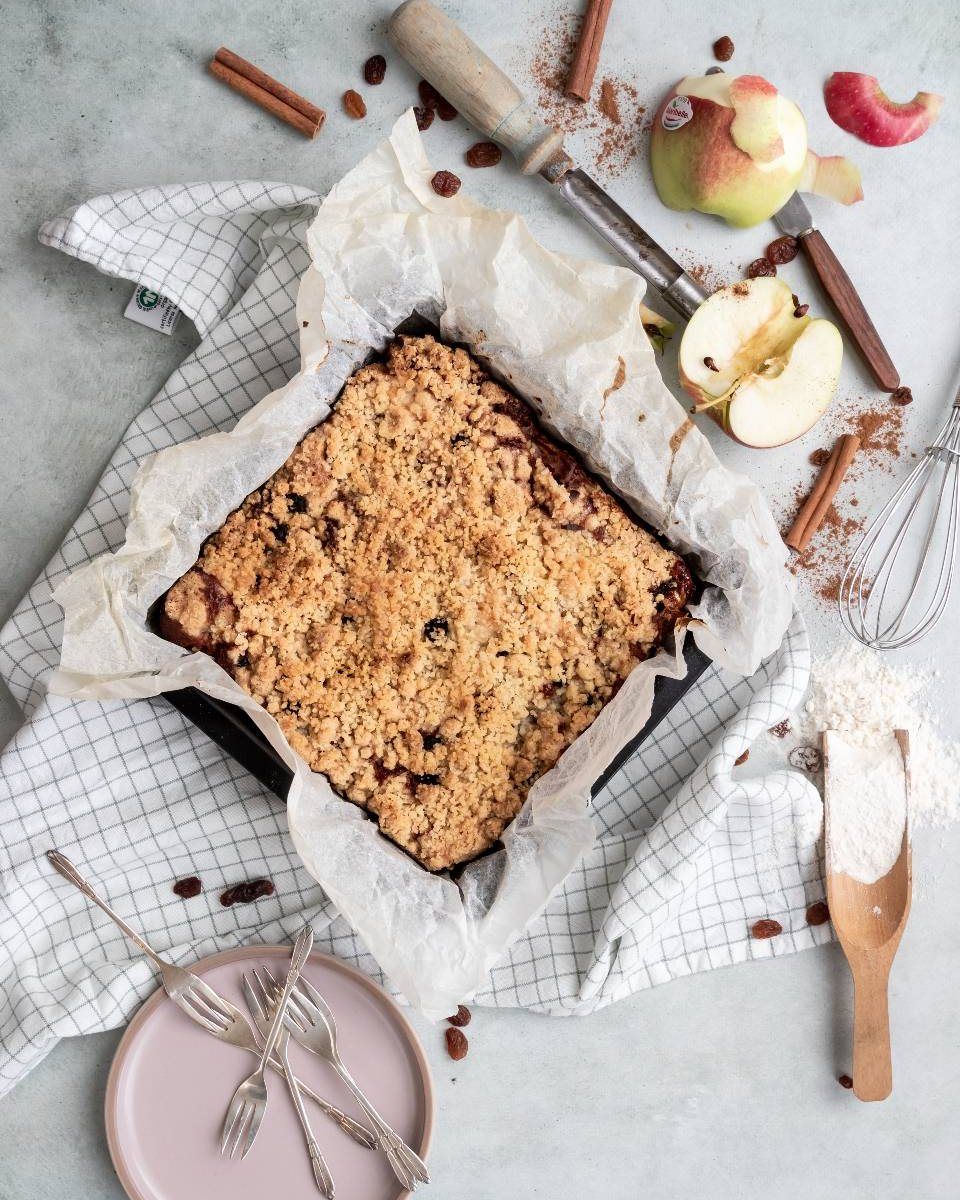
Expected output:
(236, 733)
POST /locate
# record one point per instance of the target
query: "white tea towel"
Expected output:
(137, 797)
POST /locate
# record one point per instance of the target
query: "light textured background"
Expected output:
(722, 1085)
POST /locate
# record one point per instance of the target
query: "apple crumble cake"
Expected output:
(432, 598)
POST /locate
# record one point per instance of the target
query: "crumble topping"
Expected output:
(432, 598)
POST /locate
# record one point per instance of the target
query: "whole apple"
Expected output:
(737, 148)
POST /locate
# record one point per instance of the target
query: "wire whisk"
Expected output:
(887, 607)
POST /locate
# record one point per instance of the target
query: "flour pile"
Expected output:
(858, 692)
(866, 806)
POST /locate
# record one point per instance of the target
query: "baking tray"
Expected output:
(236, 733)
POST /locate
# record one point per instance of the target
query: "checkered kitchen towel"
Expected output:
(138, 797)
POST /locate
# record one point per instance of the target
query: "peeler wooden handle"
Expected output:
(840, 289)
(460, 71)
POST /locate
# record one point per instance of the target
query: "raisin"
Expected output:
(246, 893)
(767, 928)
(429, 780)
(711, 365)
(760, 267)
(503, 654)
(781, 729)
(818, 914)
(445, 183)
(801, 310)
(187, 888)
(483, 154)
(434, 627)
(806, 758)
(845, 1081)
(457, 1044)
(738, 762)
(461, 1017)
(297, 503)
(243, 660)
(783, 250)
(374, 69)
(431, 740)
(281, 531)
(432, 99)
(902, 395)
(424, 117)
(715, 70)
(723, 49)
(353, 105)
(460, 439)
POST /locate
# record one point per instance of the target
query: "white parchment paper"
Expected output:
(384, 245)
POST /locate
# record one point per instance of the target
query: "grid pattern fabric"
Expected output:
(685, 858)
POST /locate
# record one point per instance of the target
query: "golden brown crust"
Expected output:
(432, 598)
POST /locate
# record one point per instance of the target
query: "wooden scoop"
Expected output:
(869, 919)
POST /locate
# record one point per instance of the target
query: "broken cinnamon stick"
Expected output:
(584, 65)
(268, 92)
(814, 508)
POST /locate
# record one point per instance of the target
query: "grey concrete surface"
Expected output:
(719, 1086)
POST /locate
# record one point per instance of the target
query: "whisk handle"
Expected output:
(839, 287)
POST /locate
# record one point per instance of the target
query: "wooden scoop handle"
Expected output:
(872, 1064)
(839, 287)
(460, 71)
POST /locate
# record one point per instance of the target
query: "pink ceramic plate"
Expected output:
(170, 1084)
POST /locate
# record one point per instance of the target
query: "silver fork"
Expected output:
(260, 1009)
(211, 1011)
(246, 1110)
(312, 1024)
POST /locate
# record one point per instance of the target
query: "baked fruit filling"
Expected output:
(432, 598)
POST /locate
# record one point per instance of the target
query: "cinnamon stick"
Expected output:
(268, 92)
(584, 66)
(814, 508)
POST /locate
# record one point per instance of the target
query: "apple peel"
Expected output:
(859, 105)
(755, 128)
(834, 176)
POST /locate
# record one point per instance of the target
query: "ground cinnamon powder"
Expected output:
(880, 430)
(611, 119)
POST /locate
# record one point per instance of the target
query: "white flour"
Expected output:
(866, 805)
(860, 693)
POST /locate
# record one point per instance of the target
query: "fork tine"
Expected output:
(256, 1116)
(200, 1006)
(206, 991)
(229, 1122)
(265, 991)
(202, 1021)
(253, 998)
(312, 994)
(237, 1135)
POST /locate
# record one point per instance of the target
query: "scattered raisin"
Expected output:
(483, 154)
(246, 893)
(845, 1081)
(434, 627)
(297, 503)
(281, 531)
(818, 914)
(461, 1017)
(445, 183)
(806, 758)
(710, 364)
(767, 928)
(429, 95)
(353, 105)
(457, 1044)
(715, 70)
(801, 310)
(902, 395)
(374, 69)
(760, 267)
(738, 762)
(424, 117)
(781, 729)
(723, 49)
(503, 654)
(429, 780)
(187, 888)
(783, 250)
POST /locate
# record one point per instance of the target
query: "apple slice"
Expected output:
(765, 375)
(859, 105)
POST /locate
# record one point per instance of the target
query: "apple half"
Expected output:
(765, 375)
